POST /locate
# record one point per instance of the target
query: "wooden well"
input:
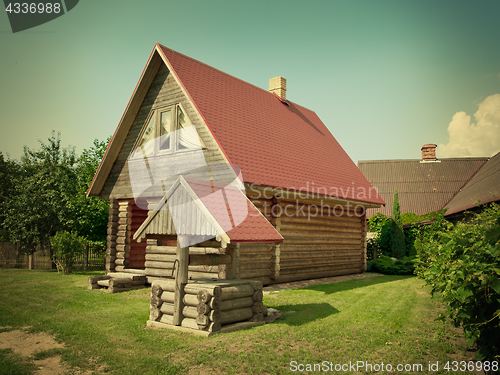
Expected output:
(207, 306)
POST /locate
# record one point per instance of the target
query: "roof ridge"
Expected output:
(229, 75)
(476, 158)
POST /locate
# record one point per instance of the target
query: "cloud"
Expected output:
(475, 139)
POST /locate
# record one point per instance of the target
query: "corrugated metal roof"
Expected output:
(482, 188)
(422, 186)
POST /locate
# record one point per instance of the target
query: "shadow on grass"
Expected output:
(298, 314)
(355, 284)
(308, 312)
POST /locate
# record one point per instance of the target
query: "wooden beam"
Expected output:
(181, 279)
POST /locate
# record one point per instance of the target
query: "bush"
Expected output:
(389, 266)
(463, 266)
(67, 246)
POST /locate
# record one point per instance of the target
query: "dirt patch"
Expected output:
(323, 280)
(51, 365)
(27, 344)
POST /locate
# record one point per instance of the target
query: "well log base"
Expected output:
(208, 305)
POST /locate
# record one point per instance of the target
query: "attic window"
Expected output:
(168, 130)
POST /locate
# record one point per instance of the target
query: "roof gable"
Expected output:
(275, 145)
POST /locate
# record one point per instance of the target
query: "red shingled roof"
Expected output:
(229, 206)
(275, 145)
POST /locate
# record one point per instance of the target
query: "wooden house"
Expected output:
(303, 198)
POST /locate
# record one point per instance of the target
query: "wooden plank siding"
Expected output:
(163, 92)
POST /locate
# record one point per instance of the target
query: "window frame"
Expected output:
(174, 139)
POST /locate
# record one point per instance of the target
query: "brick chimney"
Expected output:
(429, 152)
(278, 86)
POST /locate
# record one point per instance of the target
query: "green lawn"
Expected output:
(388, 319)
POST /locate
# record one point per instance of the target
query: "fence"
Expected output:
(93, 258)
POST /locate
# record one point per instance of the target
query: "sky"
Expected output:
(386, 77)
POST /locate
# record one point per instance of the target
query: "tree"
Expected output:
(46, 193)
(41, 204)
(398, 246)
(9, 175)
(91, 212)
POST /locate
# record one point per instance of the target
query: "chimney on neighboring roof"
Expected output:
(429, 152)
(278, 86)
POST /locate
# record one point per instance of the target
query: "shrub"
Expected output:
(67, 246)
(398, 247)
(389, 266)
(463, 266)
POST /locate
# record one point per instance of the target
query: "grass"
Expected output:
(388, 319)
(12, 364)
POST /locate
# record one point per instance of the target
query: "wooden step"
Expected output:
(103, 283)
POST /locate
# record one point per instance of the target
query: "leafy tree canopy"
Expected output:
(46, 192)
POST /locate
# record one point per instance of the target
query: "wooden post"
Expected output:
(86, 257)
(232, 269)
(181, 279)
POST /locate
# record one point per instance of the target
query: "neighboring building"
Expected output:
(294, 172)
(481, 189)
(430, 184)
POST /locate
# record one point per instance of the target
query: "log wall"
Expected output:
(321, 239)
(123, 234)
(318, 244)
(161, 255)
(112, 236)
(258, 260)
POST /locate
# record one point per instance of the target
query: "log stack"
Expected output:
(208, 305)
(112, 235)
(123, 235)
(116, 282)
